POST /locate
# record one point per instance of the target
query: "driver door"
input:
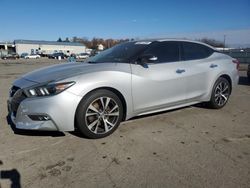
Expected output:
(161, 83)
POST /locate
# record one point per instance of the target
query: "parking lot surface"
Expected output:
(188, 147)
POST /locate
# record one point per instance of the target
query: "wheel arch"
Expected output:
(228, 78)
(211, 85)
(116, 92)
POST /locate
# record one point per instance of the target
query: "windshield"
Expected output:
(122, 53)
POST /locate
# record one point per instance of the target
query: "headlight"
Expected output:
(48, 89)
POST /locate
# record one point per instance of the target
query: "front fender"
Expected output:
(120, 81)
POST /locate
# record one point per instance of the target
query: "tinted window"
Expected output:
(192, 51)
(121, 53)
(164, 51)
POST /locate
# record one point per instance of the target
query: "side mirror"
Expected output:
(145, 59)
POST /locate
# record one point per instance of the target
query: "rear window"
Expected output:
(193, 51)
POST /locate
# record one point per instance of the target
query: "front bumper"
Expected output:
(59, 108)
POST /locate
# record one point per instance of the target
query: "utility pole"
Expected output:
(224, 42)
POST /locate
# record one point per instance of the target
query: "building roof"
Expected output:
(47, 42)
(6, 43)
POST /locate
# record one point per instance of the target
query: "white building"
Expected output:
(100, 47)
(48, 47)
(6, 48)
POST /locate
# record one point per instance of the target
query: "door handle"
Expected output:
(179, 71)
(213, 65)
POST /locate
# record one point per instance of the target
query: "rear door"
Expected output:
(162, 83)
(198, 67)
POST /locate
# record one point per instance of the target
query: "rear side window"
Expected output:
(193, 51)
(164, 51)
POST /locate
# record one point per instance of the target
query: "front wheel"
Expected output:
(220, 94)
(99, 114)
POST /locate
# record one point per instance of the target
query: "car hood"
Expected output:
(66, 70)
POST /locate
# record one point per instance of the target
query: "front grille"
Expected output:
(18, 97)
(13, 90)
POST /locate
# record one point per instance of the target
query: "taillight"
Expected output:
(237, 63)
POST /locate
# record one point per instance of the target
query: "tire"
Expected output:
(99, 114)
(220, 94)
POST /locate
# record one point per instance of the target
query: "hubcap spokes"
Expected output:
(222, 93)
(102, 115)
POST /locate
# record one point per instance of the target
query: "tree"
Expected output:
(74, 39)
(213, 42)
(59, 40)
(107, 43)
(67, 39)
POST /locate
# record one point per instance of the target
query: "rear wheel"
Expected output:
(220, 94)
(99, 114)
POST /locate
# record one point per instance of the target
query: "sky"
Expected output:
(51, 19)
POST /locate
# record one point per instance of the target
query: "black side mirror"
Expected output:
(145, 59)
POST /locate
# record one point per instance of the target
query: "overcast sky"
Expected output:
(51, 19)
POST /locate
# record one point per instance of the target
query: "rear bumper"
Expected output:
(235, 78)
(235, 81)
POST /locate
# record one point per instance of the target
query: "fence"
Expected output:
(242, 55)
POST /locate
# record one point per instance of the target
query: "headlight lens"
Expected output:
(48, 89)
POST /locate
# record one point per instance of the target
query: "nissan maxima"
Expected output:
(130, 79)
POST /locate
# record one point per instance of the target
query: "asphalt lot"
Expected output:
(188, 147)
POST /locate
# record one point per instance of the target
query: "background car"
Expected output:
(82, 56)
(248, 72)
(128, 80)
(32, 56)
(23, 55)
(57, 55)
(11, 56)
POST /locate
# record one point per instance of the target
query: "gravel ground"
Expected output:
(188, 147)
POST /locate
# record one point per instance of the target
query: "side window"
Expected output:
(165, 51)
(193, 51)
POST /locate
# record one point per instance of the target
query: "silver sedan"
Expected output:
(128, 80)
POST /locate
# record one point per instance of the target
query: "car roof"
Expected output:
(174, 39)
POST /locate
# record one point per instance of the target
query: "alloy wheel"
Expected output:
(221, 94)
(102, 115)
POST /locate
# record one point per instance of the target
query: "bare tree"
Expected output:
(213, 42)
(93, 43)
(59, 40)
(66, 40)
